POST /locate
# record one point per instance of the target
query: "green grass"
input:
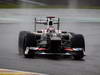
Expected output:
(11, 5)
(90, 7)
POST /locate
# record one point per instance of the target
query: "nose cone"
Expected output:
(55, 45)
(55, 39)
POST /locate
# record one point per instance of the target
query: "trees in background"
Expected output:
(60, 2)
(65, 2)
(9, 1)
(53, 2)
(89, 2)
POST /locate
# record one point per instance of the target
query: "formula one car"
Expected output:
(51, 40)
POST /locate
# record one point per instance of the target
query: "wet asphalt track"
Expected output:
(14, 20)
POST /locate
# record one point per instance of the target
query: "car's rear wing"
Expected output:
(46, 21)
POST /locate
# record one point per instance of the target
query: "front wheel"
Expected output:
(78, 55)
(30, 41)
(29, 54)
(21, 42)
(78, 42)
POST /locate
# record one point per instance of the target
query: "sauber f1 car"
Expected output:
(51, 40)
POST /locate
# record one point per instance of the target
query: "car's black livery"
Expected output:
(51, 41)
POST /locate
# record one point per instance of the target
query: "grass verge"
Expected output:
(12, 5)
(8, 5)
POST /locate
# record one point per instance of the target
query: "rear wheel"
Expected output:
(78, 42)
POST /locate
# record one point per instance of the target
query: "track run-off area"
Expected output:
(82, 21)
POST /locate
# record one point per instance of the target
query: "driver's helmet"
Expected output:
(50, 23)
